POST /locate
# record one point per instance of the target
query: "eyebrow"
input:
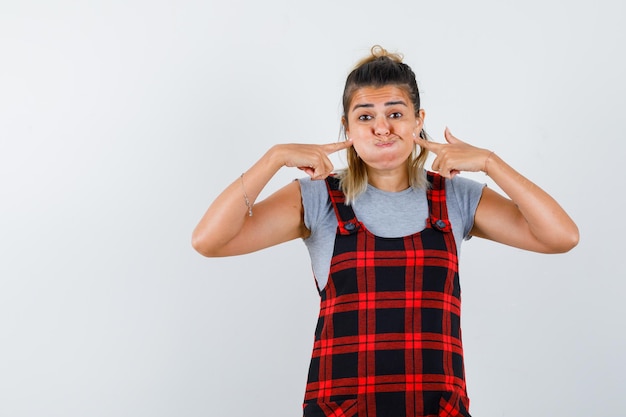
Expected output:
(389, 103)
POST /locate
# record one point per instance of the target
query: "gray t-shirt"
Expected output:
(385, 214)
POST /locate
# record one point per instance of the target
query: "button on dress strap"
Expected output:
(437, 208)
(346, 218)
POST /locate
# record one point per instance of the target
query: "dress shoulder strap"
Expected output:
(437, 208)
(348, 223)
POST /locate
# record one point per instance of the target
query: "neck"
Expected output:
(393, 181)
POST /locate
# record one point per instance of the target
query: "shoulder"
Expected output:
(462, 184)
(314, 201)
(311, 187)
(463, 196)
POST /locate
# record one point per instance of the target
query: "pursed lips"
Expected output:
(385, 143)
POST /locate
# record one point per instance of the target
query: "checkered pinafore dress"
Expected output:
(388, 338)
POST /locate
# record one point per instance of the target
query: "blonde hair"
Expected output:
(380, 68)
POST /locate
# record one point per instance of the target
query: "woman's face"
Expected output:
(381, 123)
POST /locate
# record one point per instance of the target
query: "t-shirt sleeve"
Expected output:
(314, 202)
(467, 194)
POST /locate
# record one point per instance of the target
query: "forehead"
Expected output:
(380, 95)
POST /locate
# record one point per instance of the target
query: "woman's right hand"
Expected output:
(310, 158)
(226, 229)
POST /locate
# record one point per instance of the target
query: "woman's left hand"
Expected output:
(455, 156)
(529, 219)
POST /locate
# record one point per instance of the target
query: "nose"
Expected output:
(381, 127)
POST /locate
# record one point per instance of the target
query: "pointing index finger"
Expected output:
(428, 145)
(336, 146)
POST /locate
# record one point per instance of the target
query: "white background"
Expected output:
(120, 121)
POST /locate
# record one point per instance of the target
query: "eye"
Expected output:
(365, 117)
(395, 115)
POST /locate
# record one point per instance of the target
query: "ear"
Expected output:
(419, 120)
(344, 123)
(420, 116)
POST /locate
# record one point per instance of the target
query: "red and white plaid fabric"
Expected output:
(388, 338)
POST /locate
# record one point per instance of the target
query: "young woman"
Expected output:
(383, 237)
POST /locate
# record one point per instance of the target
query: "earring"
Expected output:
(414, 135)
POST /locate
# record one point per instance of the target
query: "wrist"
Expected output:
(275, 157)
(488, 161)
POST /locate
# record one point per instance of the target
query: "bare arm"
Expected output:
(529, 219)
(226, 229)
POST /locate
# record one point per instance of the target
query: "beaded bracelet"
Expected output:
(245, 197)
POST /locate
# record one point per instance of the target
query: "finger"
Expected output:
(443, 171)
(428, 145)
(308, 170)
(435, 165)
(316, 173)
(336, 146)
(322, 172)
(323, 169)
(440, 165)
(450, 138)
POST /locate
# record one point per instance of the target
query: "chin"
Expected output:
(386, 165)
